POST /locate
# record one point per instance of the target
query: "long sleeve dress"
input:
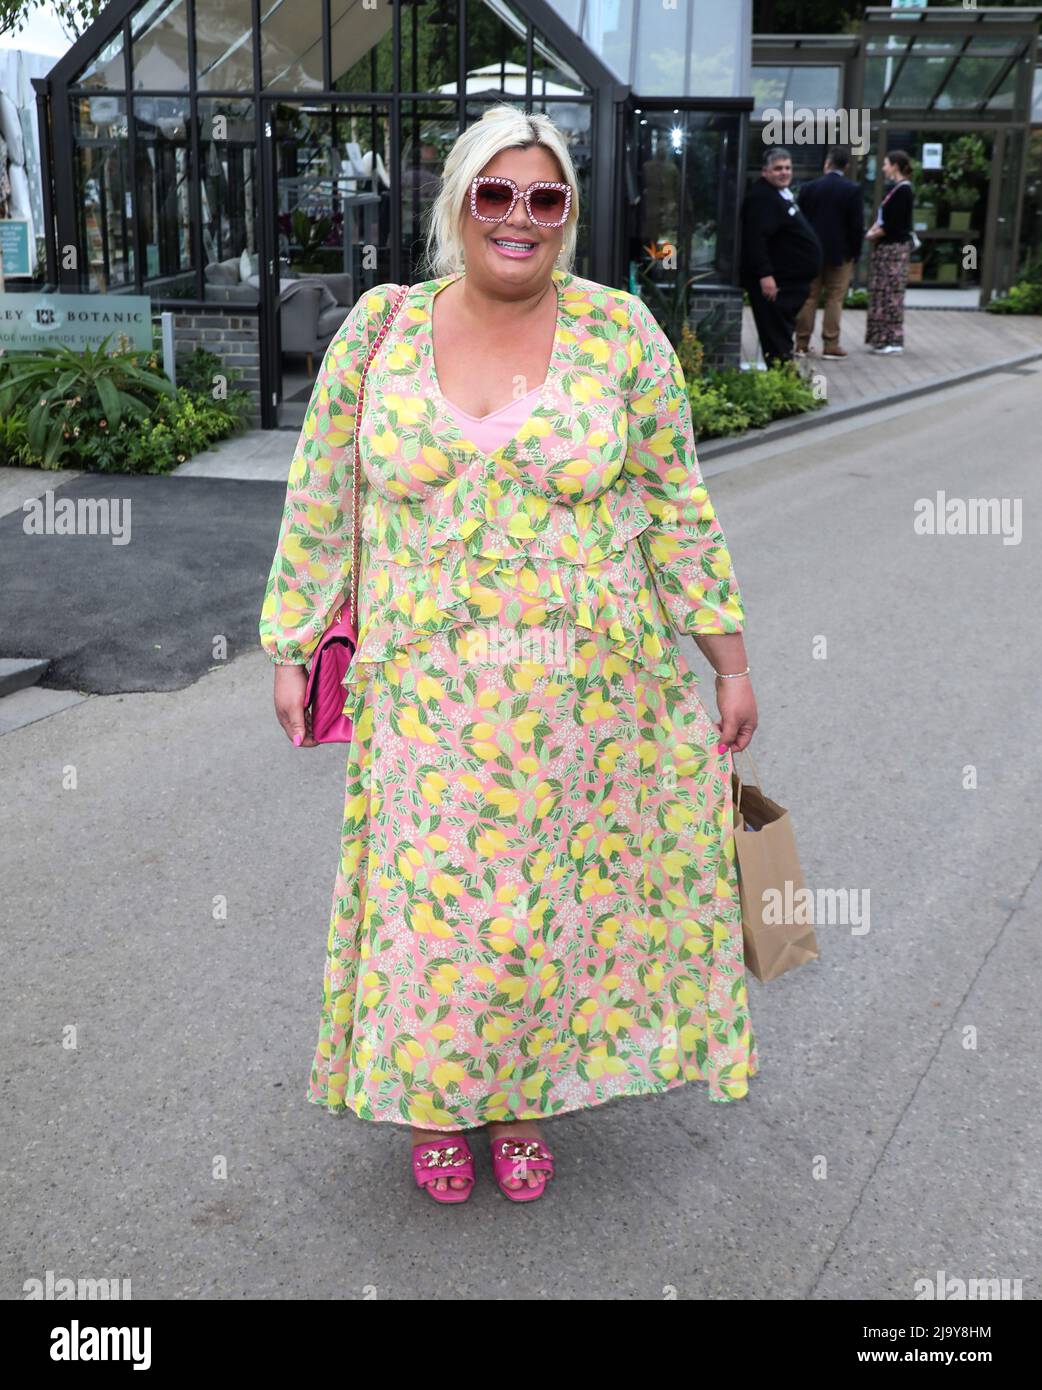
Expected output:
(536, 908)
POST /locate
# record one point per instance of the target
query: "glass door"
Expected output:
(328, 235)
(953, 172)
(686, 173)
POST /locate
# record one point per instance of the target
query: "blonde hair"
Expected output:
(502, 127)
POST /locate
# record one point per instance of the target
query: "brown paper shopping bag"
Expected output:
(769, 883)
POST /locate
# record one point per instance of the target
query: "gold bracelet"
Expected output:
(731, 675)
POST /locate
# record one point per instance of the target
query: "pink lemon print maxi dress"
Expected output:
(536, 908)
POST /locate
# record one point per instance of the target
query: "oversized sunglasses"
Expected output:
(493, 199)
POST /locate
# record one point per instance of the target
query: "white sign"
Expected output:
(932, 156)
(103, 110)
(29, 321)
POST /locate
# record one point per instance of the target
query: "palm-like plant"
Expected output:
(108, 385)
(669, 303)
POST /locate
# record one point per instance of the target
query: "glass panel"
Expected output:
(815, 86)
(887, 43)
(291, 43)
(917, 82)
(105, 69)
(551, 75)
(659, 69)
(1036, 98)
(334, 192)
(573, 120)
(687, 168)
(1006, 93)
(428, 132)
(970, 80)
(950, 203)
(333, 225)
(163, 167)
(879, 73)
(228, 199)
(99, 133)
(224, 45)
(769, 85)
(997, 44)
(925, 44)
(569, 12)
(160, 46)
(362, 43)
(716, 42)
(430, 45)
(608, 30)
(495, 50)
(804, 85)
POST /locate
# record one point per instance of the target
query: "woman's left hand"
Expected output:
(737, 705)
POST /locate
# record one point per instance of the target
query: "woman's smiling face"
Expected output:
(515, 254)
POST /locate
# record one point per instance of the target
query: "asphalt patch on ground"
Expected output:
(143, 615)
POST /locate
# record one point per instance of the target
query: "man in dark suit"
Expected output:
(781, 255)
(834, 209)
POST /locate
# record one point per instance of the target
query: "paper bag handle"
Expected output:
(747, 753)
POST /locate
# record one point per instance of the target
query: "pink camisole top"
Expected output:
(490, 432)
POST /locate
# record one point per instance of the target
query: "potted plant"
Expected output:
(925, 217)
(310, 234)
(961, 199)
(966, 165)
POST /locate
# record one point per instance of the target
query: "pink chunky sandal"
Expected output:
(444, 1158)
(516, 1157)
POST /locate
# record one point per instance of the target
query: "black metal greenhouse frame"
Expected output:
(608, 101)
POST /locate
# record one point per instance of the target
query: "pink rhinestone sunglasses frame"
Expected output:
(504, 182)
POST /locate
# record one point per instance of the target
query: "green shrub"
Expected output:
(57, 385)
(14, 446)
(1024, 298)
(175, 431)
(690, 354)
(765, 396)
(83, 432)
(711, 411)
(856, 299)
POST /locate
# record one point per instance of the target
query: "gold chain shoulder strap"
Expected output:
(356, 548)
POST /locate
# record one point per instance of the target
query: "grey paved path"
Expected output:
(194, 1035)
(938, 343)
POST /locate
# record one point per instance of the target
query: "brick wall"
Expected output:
(233, 337)
(723, 337)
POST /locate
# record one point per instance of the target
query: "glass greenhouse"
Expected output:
(254, 165)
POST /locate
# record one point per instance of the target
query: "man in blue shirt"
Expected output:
(834, 208)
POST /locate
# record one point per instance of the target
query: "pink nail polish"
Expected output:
(721, 747)
(298, 739)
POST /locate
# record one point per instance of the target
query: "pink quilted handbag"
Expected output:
(324, 696)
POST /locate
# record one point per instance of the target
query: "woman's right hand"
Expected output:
(291, 683)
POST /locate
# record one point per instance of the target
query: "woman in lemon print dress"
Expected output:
(536, 907)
